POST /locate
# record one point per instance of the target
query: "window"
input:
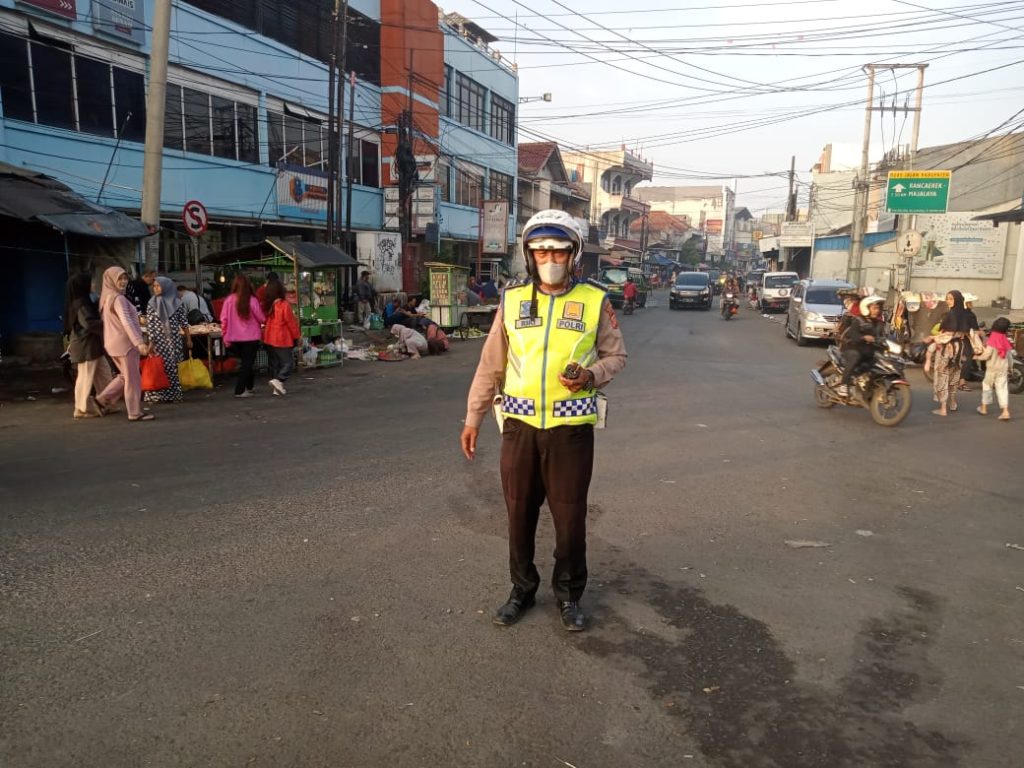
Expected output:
(305, 25)
(364, 163)
(468, 103)
(223, 112)
(15, 86)
(196, 109)
(443, 176)
(51, 69)
(469, 184)
(501, 186)
(174, 131)
(503, 120)
(95, 100)
(208, 124)
(444, 93)
(130, 104)
(296, 141)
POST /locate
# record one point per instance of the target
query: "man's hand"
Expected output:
(870, 339)
(469, 436)
(585, 381)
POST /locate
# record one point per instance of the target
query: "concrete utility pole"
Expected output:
(340, 101)
(332, 138)
(351, 154)
(862, 185)
(908, 223)
(791, 200)
(152, 166)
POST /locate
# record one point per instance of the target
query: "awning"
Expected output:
(1012, 216)
(590, 249)
(30, 196)
(306, 255)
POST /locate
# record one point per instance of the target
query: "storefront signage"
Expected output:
(123, 18)
(917, 191)
(302, 194)
(495, 226)
(796, 234)
(954, 246)
(65, 8)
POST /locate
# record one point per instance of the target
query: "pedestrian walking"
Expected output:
(240, 321)
(122, 338)
(998, 357)
(280, 336)
(165, 321)
(553, 342)
(84, 329)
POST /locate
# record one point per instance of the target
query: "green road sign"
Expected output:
(917, 192)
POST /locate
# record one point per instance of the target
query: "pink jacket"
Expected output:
(234, 327)
(121, 330)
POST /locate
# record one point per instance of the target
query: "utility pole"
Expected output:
(339, 83)
(152, 167)
(348, 165)
(406, 161)
(862, 185)
(908, 223)
(332, 138)
(791, 199)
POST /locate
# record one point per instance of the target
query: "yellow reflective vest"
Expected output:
(563, 331)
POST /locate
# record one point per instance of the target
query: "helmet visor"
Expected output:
(549, 244)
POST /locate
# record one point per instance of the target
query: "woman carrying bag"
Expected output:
(165, 320)
(123, 340)
(84, 329)
(240, 321)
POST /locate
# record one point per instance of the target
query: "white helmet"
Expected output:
(865, 303)
(552, 230)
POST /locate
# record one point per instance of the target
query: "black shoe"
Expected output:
(512, 611)
(573, 619)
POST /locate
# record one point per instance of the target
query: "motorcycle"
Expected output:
(730, 305)
(628, 306)
(878, 384)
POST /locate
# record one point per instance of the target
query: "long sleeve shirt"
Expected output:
(490, 372)
(121, 329)
(236, 328)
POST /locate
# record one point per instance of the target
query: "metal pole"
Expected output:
(332, 148)
(909, 223)
(348, 160)
(860, 201)
(152, 167)
(340, 99)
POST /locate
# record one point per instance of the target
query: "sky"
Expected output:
(716, 92)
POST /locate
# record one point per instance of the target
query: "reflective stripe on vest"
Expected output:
(539, 348)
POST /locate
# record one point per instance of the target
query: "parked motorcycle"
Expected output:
(730, 305)
(878, 385)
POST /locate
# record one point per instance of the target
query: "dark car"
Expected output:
(691, 289)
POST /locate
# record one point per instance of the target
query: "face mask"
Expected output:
(552, 273)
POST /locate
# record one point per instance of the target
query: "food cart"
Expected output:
(315, 276)
(447, 281)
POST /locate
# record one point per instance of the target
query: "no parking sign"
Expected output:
(195, 218)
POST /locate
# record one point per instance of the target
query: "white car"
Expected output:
(814, 310)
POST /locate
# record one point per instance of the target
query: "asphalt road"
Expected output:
(309, 581)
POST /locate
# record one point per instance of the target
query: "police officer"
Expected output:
(553, 342)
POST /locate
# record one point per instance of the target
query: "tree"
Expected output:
(690, 254)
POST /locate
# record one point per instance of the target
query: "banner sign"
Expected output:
(917, 191)
(302, 194)
(123, 18)
(954, 246)
(65, 8)
(495, 226)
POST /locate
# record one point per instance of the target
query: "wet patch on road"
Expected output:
(730, 681)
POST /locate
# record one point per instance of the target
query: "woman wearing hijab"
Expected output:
(84, 329)
(410, 341)
(998, 358)
(165, 319)
(946, 353)
(123, 340)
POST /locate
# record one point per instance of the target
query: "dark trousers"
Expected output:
(281, 361)
(246, 350)
(554, 464)
(852, 357)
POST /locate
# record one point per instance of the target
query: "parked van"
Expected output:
(775, 290)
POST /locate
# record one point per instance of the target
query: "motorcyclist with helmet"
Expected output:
(629, 294)
(554, 340)
(858, 339)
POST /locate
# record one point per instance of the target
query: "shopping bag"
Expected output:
(154, 377)
(193, 374)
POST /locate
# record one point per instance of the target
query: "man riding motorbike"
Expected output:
(858, 338)
(731, 287)
(629, 296)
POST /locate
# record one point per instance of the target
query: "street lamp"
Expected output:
(528, 99)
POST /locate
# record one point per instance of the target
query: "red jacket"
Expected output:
(629, 291)
(282, 329)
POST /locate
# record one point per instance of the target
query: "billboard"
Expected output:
(122, 18)
(302, 194)
(65, 8)
(952, 245)
(495, 226)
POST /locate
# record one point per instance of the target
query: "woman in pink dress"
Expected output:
(122, 337)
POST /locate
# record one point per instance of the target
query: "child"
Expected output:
(998, 357)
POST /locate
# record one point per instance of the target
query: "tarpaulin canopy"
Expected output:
(306, 255)
(1012, 216)
(30, 196)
